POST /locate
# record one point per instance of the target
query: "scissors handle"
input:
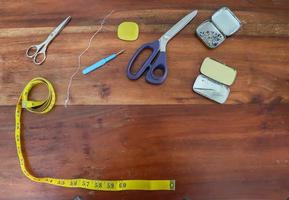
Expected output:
(160, 63)
(156, 61)
(37, 53)
(32, 50)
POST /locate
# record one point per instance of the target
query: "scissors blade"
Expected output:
(180, 25)
(58, 29)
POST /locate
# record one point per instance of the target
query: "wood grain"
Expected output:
(121, 129)
(211, 153)
(259, 51)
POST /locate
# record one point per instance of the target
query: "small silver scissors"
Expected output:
(38, 52)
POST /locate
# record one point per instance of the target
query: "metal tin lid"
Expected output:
(218, 71)
(226, 21)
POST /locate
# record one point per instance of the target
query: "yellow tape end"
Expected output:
(173, 185)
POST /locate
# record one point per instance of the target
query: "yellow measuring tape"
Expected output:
(44, 106)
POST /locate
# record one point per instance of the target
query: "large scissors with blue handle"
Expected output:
(157, 59)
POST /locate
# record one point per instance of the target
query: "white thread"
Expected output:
(79, 59)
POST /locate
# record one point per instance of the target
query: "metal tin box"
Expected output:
(214, 80)
(223, 23)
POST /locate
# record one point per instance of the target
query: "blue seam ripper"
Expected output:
(100, 63)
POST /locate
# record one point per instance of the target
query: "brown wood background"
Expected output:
(121, 129)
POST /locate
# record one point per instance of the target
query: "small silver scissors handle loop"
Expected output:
(32, 50)
(40, 57)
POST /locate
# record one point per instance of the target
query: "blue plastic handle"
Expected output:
(98, 64)
(156, 61)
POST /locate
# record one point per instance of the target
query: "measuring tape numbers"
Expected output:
(44, 106)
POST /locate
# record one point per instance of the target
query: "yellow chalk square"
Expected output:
(128, 31)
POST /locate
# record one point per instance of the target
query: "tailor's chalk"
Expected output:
(128, 31)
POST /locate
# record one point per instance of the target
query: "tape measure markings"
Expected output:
(44, 106)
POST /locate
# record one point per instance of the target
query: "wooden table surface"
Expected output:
(115, 128)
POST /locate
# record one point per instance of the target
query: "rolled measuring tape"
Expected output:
(44, 106)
